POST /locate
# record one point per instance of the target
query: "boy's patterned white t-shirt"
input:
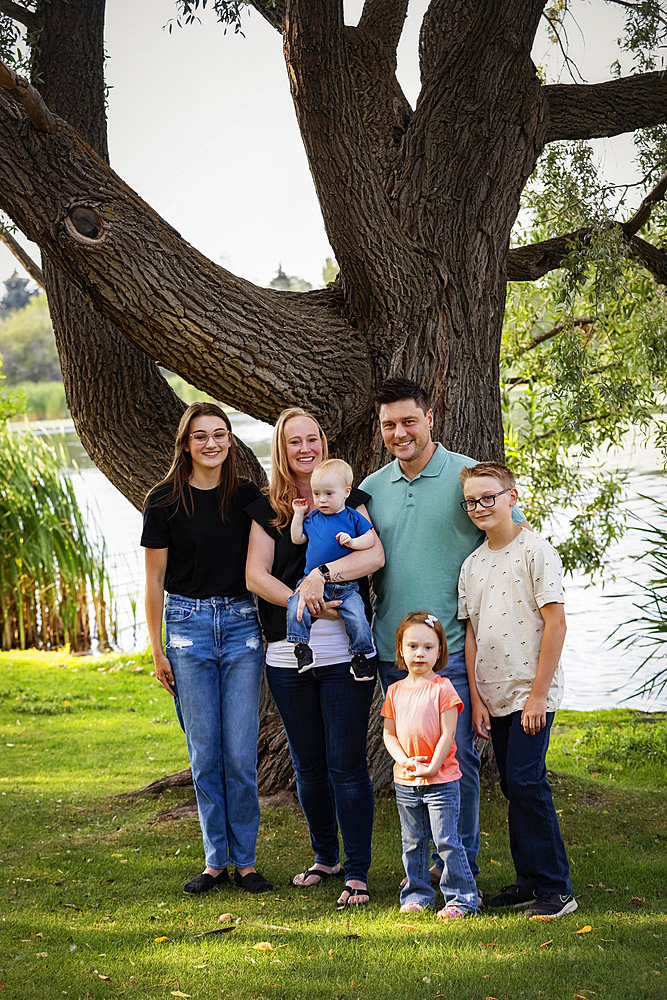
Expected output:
(501, 593)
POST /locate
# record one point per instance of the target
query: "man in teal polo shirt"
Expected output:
(415, 508)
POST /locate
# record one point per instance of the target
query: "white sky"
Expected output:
(201, 124)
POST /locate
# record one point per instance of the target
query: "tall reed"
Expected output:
(50, 573)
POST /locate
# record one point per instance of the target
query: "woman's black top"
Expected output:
(207, 555)
(289, 562)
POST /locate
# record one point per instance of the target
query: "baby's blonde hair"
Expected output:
(333, 466)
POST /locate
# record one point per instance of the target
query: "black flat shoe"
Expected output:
(206, 882)
(252, 882)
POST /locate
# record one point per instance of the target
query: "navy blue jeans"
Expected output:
(325, 715)
(536, 842)
(215, 650)
(466, 754)
(352, 612)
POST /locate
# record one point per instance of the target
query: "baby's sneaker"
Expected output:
(305, 658)
(452, 912)
(360, 668)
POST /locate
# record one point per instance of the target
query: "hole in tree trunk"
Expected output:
(84, 224)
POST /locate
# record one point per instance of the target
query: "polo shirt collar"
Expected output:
(433, 468)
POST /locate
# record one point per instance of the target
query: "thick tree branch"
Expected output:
(18, 13)
(237, 341)
(591, 111)
(383, 20)
(24, 258)
(19, 90)
(358, 218)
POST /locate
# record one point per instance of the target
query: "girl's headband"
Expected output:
(430, 620)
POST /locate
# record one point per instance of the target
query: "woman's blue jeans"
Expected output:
(215, 650)
(325, 714)
(431, 812)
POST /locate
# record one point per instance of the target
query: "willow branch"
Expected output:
(24, 94)
(592, 111)
(378, 262)
(273, 12)
(18, 13)
(544, 335)
(383, 20)
(643, 213)
(22, 256)
(537, 259)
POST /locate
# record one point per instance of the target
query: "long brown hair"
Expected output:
(282, 489)
(180, 472)
(421, 618)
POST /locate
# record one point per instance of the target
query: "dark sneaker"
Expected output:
(305, 658)
(513, 896)
(552, 905)
(360, 668)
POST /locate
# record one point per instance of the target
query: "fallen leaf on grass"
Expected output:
(584, 930)
(262, 946)
(578, 996)
(545, 944)
(42, 954)
(544, 918)
(637, 900)
(224, 917)
(410, 927)
(330, 952)
(162, 939)
(105, 979)
(488, 944)
(177, 993)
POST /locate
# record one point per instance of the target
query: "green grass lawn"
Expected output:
(92, 901)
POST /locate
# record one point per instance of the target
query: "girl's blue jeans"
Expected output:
(215, 650)
(466, 754)
(325, 714)
(432, 812)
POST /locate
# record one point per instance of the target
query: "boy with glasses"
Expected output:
(511, 594)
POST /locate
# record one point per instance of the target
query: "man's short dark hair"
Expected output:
(394, 390)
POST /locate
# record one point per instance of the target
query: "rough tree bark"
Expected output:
(418, 206)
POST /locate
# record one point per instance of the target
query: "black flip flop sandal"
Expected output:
(322, 877)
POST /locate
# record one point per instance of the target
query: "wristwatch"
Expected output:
(324, 570)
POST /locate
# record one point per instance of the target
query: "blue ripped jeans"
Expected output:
(215, 650)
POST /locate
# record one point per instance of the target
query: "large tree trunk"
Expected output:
(418, 206)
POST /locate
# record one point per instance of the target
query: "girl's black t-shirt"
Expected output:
(289, 562)
(207, 555)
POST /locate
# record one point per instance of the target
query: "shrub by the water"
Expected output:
(50, 573)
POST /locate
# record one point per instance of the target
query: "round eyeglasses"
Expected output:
(201, 437)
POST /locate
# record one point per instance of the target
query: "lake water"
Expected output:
(598, 674)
